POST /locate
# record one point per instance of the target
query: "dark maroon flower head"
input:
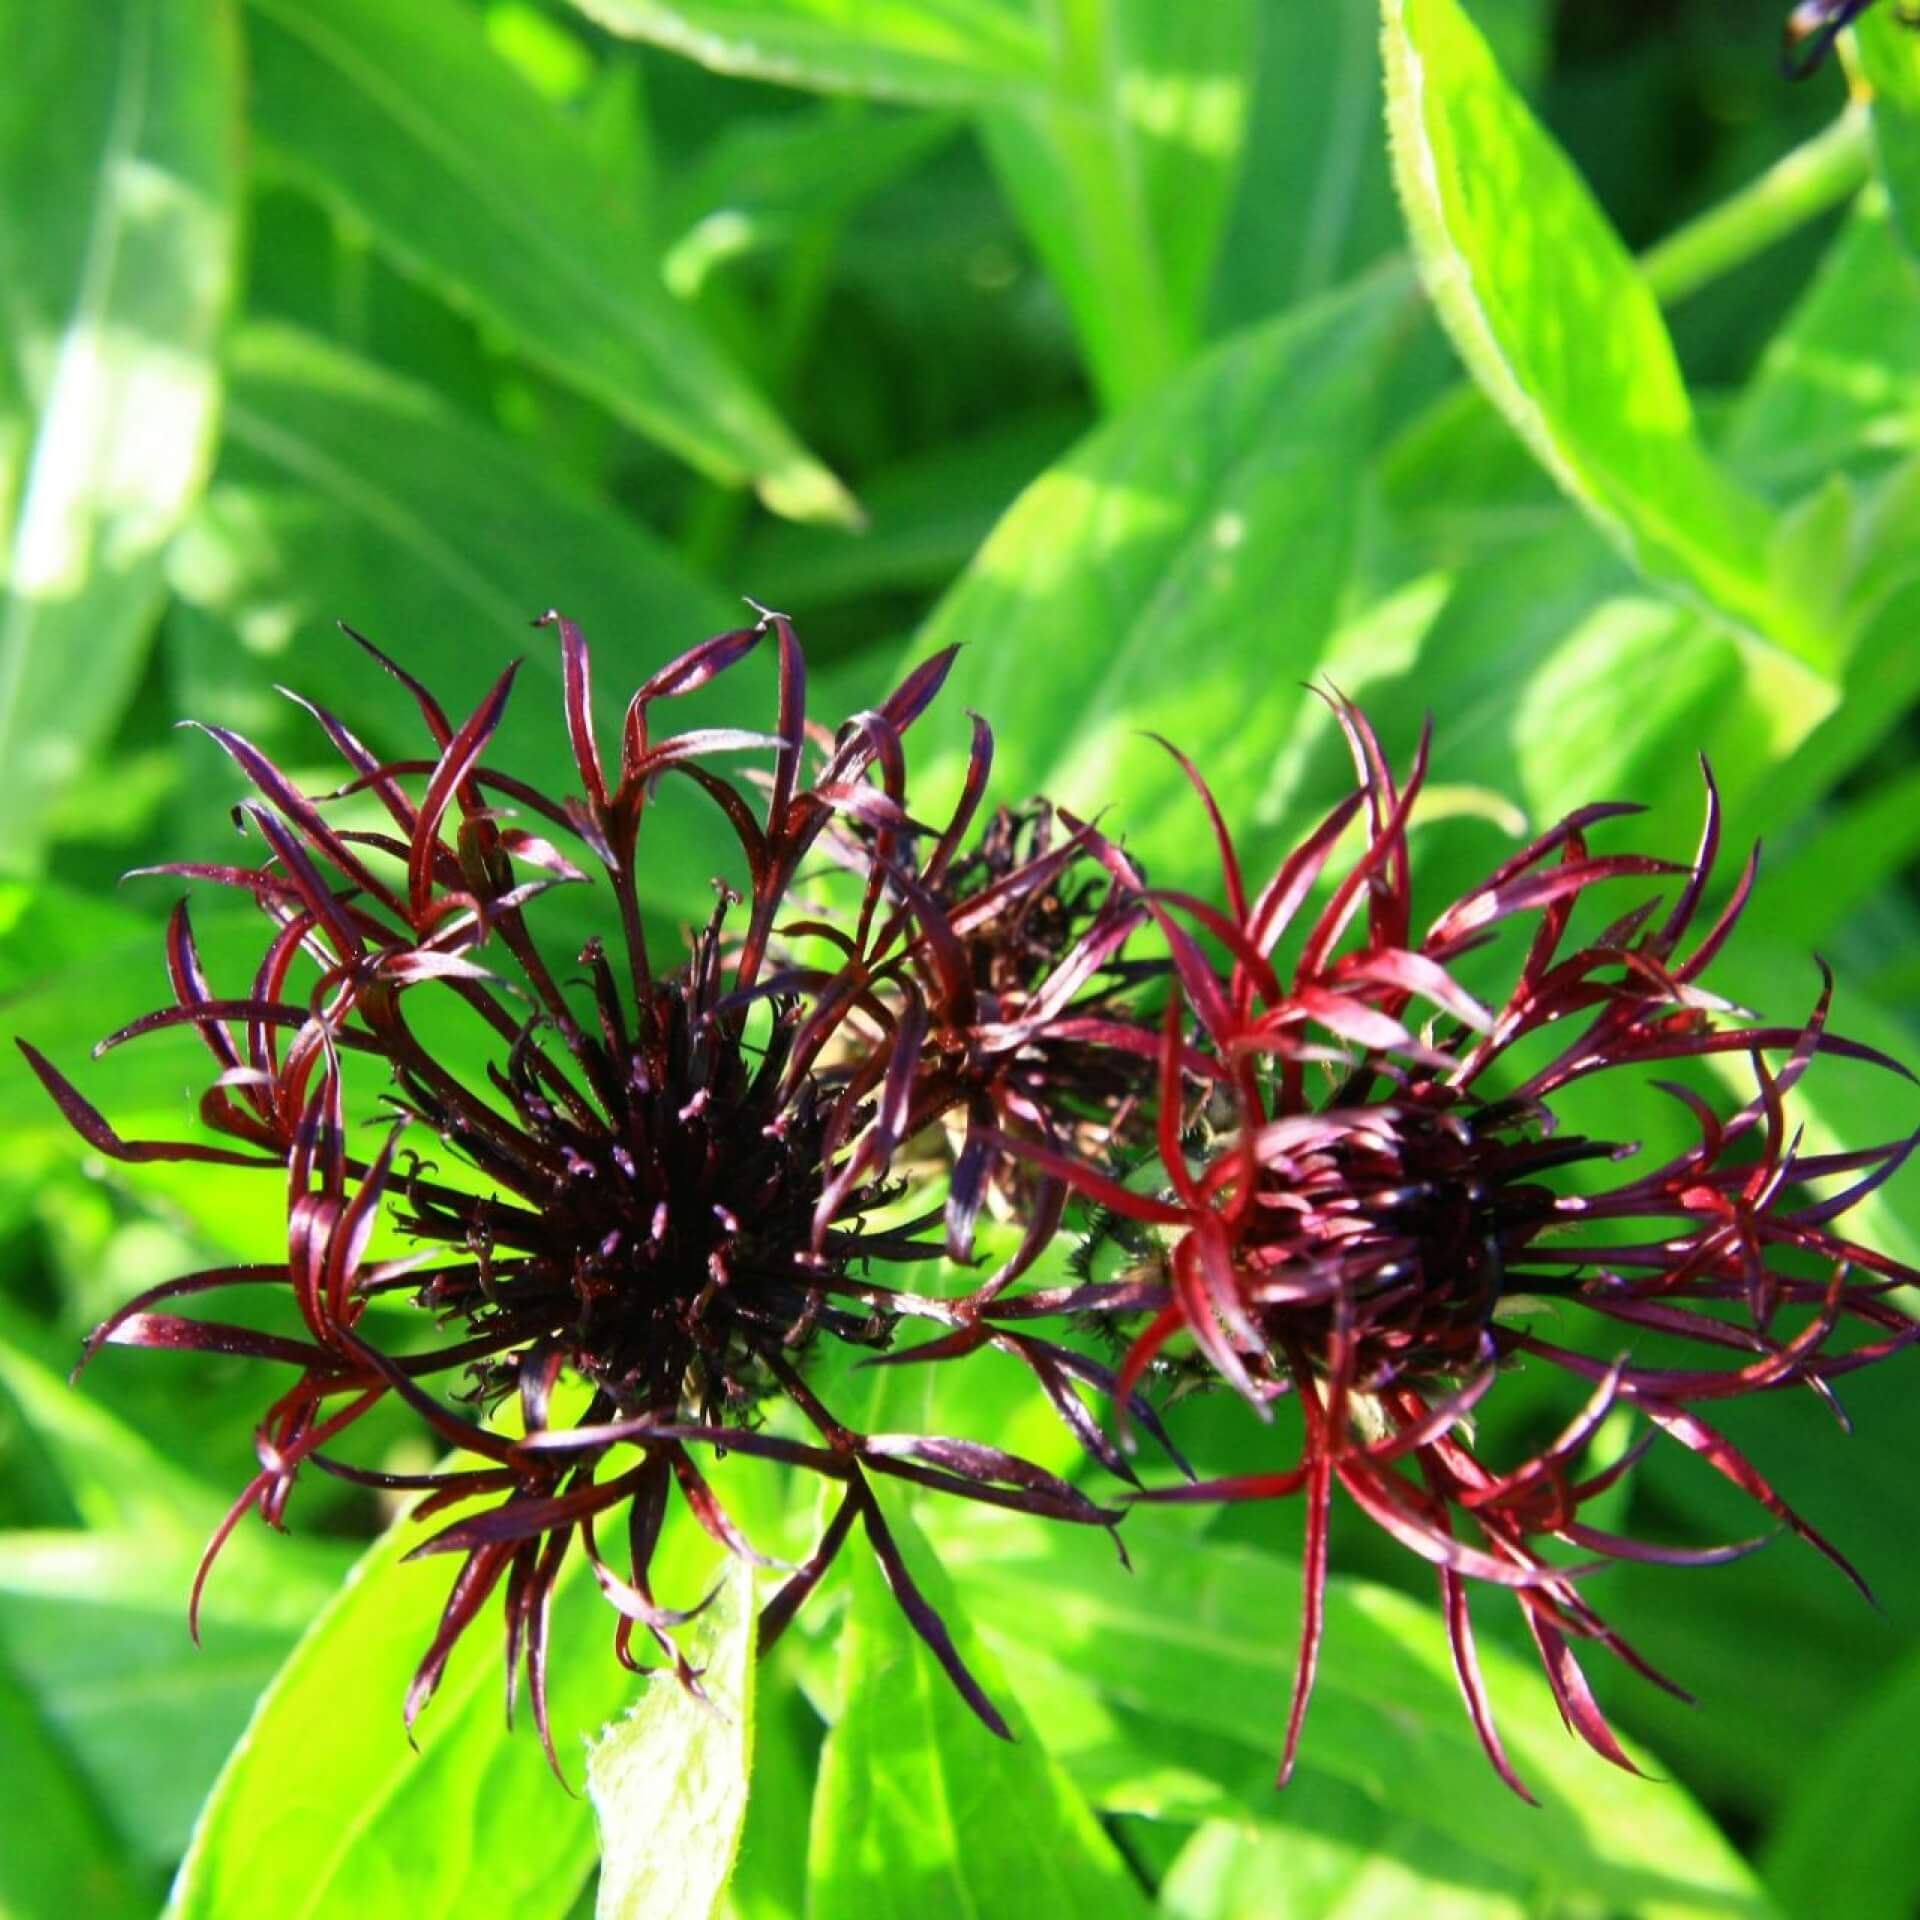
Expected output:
(1364, 1203)
(665, 1186)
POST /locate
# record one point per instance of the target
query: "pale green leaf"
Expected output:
(1556, 324)
(405, 118)
(116, 244)
(669, 1782)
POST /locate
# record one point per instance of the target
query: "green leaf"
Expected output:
(761, 182)
(405, 118)
(1555, 322)
(921, 1813)
(1114, 125)
(324, 1808)
(1123, 171)
(1315, 201)
(669, 1782)
(97, 1627)
(1889, 59)
(116, 244)
(1839, 385)
(59, 1855)
(1181, 571)
(1844, 1843)
(1203, 1636)
(940, 52)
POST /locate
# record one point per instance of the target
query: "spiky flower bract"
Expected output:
(1365, 1205)
(668, 1184)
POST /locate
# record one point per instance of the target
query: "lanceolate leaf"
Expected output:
(468, 178)
(954, 51)
(116, 241)
(921, 1814)
(1126, 205)
(324, 1808)
(1555, 323)
(1201, 1637)
(1115, 126)
(1890, 64)
(1178, 571)
(669, 1782)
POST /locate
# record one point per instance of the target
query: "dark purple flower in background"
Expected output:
(1365, 1204)
(670, 1184)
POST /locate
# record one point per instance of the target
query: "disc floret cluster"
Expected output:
(659, 1179)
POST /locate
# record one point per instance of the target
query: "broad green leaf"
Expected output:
(1123, 173)
(770, 1876)
(1339, 1857)
(933, 51)
(404, 118)
(1844, 1843)
(669, 1782)
(58, 1853)
(116, 244)
(921, 1813)
(1179, 571)
(1839, 385)
(1554, 321)
(1203, 1635)
(97, 1627)
(1889, 59)
(324, 1808)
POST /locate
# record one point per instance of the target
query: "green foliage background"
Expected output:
(1116, 339)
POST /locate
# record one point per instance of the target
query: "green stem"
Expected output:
(1806, 183)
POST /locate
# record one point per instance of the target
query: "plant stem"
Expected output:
(1796, 189)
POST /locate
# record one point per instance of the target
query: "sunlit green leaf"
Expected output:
(116, 242)
(669, 1782)
(921, 1813)
(950, 51)
(1552, 318)
(1203, 1636)
(1179, 571)
(1123, 173)
(467, 177)
(1890, 64)
(324, 1807)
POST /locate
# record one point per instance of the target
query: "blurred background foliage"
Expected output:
(1084, 332)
